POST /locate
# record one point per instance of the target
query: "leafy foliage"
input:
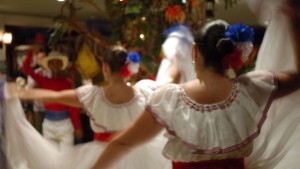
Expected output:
(140, 24)
(137, 24)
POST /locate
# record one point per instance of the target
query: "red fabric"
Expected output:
(56, 84)
(75, 117)
(124, 70)
(233, 60)
(39, 38)
(104, 137)
(211, 164)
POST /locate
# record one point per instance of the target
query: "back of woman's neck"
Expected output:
(210, 76)
(117, 91)
(116, 81)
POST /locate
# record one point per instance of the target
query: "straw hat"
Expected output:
(55, 55)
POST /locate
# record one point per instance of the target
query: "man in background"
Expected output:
(38, 107)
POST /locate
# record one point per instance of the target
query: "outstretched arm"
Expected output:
(291, 82)
(142, 130)
(66, 97)
(167, 73)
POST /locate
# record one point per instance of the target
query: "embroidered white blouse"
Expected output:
(223, 130)
(106, 116)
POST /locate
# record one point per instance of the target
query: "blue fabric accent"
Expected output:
(176, 28)
(57, 115)
(181, 31)
(134, 57)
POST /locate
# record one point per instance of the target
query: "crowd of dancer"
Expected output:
(208, 120)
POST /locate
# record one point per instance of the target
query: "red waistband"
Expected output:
(211, 164)
(104, 137)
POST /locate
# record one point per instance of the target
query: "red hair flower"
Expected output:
(131, 65)
(233, 60)
(124, 70)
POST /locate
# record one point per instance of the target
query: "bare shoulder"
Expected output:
(190, 84)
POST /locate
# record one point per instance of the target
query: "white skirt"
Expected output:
(278, 146)
(27, 149)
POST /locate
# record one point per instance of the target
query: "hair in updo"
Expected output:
(115, 57)
(212, 44)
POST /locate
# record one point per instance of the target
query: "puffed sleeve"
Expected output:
(261, 86)
(146, 87)
(89, 97)
(162, 103)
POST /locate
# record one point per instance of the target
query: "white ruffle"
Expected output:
(106, 116)
(200, 131)
(146, 87)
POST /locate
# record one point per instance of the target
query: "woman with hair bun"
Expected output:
(211, 122)
(110, 108)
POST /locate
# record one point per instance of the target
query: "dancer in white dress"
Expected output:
(110, 108)
(211, 121)
(176, 66)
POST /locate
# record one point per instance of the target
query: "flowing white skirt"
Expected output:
(85, 155)
(27, 149)
(278, 146)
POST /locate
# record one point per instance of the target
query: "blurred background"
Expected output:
(84, 29)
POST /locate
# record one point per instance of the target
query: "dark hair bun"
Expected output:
(225, 46)
(115, 57)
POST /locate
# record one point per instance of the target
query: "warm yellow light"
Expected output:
(142, 36)
(7, 38)
(60, 0)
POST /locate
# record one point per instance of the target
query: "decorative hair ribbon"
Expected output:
(131, 65)
(242, 37)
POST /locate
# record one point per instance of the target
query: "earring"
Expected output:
(193, 61)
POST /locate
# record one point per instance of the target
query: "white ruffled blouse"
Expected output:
(106, 116)
(222, 130)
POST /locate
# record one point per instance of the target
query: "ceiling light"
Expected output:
(60, 0)
(7, 38)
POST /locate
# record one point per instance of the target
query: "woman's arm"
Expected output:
(288, 83)
(142, 130)
(169, 74)
(66, 97)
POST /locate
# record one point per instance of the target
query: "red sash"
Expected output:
(211, 164)
(104, 137)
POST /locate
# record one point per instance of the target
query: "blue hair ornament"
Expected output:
(174, 28)
(134, 57)
(240, 33)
